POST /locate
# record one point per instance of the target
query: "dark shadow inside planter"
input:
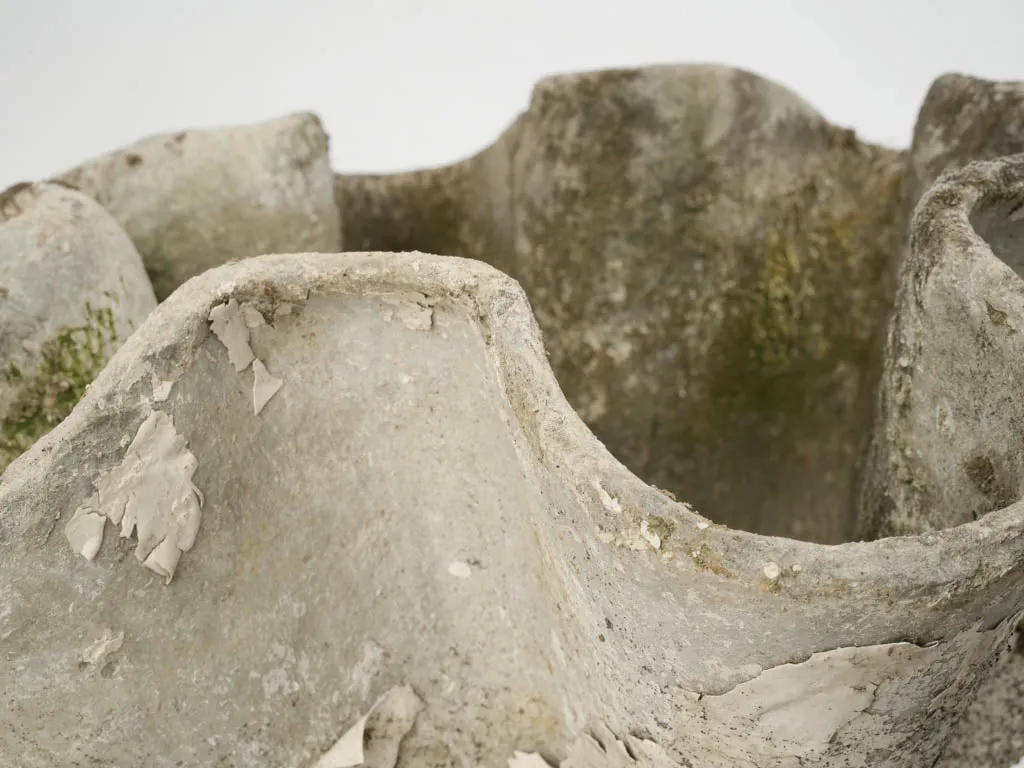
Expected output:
(1001, 225)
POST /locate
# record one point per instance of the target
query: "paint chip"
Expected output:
(527, 760)
(150, 494)
(252, 316)
(264, 386)
(161, 389)
(649, 536)
(97, 653)
(772, 570)
(228, 324)
(84, 531)
(610, 503)
(460, 570)
(231, 322)
(375, 740)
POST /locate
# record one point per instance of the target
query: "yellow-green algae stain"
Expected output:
(70, 361)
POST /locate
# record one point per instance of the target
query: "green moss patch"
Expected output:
(70, 361)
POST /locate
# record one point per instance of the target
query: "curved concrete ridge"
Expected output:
(510, 545)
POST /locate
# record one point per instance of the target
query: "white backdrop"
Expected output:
(402, 84)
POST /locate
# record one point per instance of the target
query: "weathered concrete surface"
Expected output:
(991, 732)
(418, 505)
(947, 447)
(72, 288)
(711, 263)
(961, 120)
(196, 199)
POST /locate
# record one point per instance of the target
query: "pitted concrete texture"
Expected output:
(417, 505)
(72, 289)
(196, 199)
(991, 732)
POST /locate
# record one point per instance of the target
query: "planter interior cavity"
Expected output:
(712, 264)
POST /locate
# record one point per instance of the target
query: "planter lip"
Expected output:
(906, 566)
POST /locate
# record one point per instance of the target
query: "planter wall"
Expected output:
(195, 199)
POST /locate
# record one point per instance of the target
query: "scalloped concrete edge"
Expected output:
(942, 601)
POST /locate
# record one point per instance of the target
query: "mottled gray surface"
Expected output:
(964, 119)
(418, 504)
(961, 120)
(711, 263)
(196, 199)
(72, 289)
(947, 448)
(991, 732)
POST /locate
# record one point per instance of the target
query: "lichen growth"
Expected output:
(68, 364)
(660, 527)
(707, 560)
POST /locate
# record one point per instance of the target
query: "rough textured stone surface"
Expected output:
(196, 199)
(947, 448)
(711, 263)
(991, 732)
(72, 288)
(961, 120)
(419, 505)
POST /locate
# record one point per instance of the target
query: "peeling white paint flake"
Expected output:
(84, 531)
(264, 386)
(161, 389)
(460, 570)
(412, 310)
(229, 325)
(794, 711)
(108, 643)
(610, 503)
(150, 494)
(527, 760)
(601, 749)
(649, 536)
(252, 316)
(375, 740)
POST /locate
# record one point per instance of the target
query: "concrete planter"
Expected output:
(72, 289)
(195, 199)
(394, 496)
(330, 510)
